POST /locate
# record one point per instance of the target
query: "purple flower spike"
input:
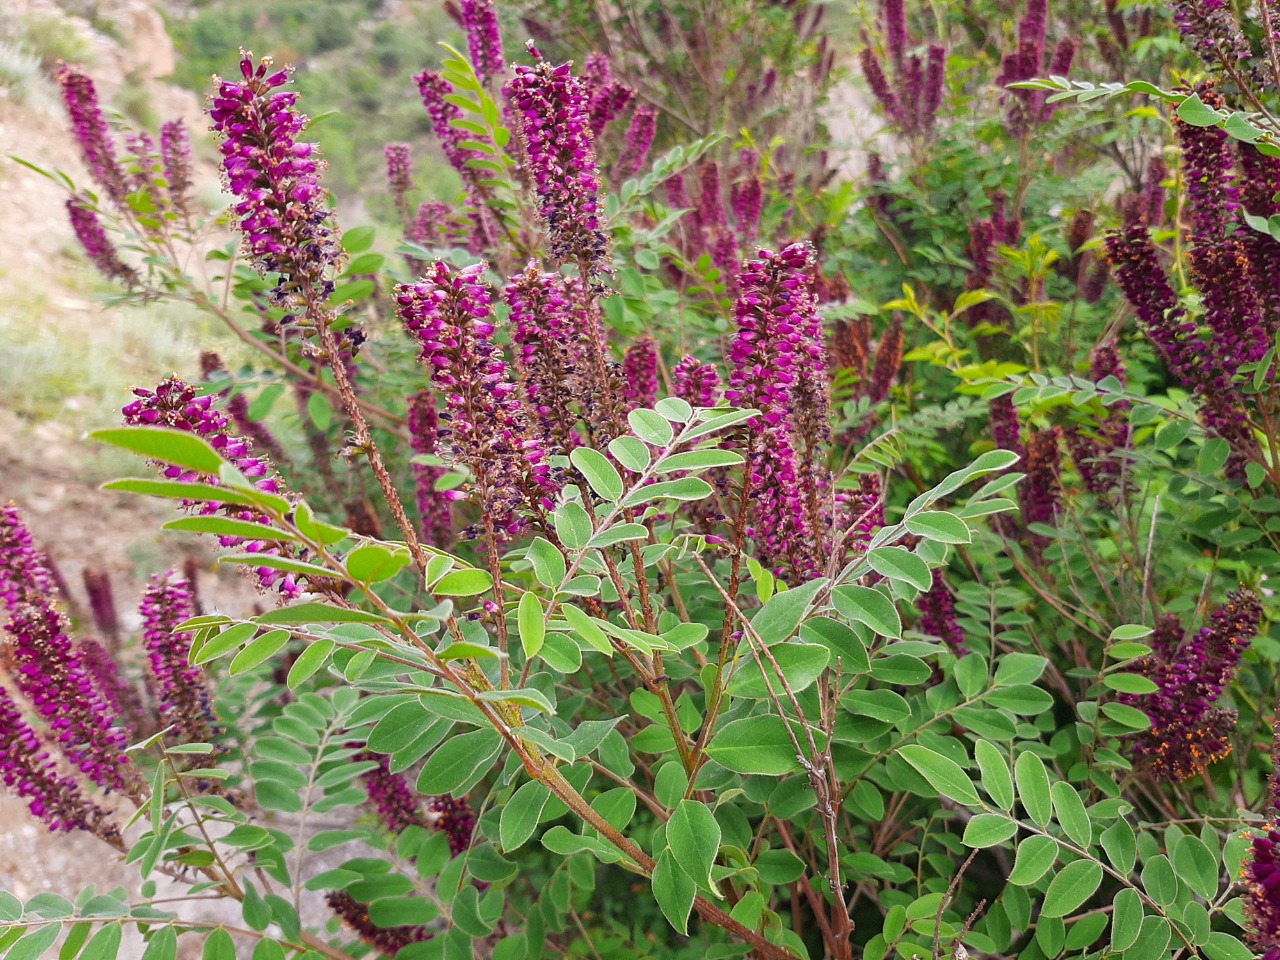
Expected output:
(391, 795)
(97, 245)
(640, 373)
(435, 508)
(551, 105)
(1006, 428)
(606, 97)
(937, 607)
(1188, 730)
(1261, 880)
(177, 686)
(175, 405)
(453, 816)
(1042, 491)
(1096, 455)
(450, 315)
(23, 571)
(773, 311)
(105, 673)
(644, 123)
(865, 510)
(388, 941)
(400, 176)
(48, 670)
(695, 382)
(175, 158)
(90, 129)
(102, 604)
(283, 211)
(710, 210)
(30, 773)
(747, 199)
(484, 41)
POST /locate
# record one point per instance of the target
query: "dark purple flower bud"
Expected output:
(97, 245)
(1153, 190)
(644, 123)
(695, 382)
(894, 13)
(400, 176)
(551, 105)
(937, 607)
(935, 79)
(453, 816)
(90, 129)
(1260, 877)
(1219, 263)
(484, 41)
(435, 508)
(1095, 281)
(283, 211)
(1188, 731)
(747, 199)
(485, 426)
(710, 211)
(865, 510)
(178, 687)
(888, 363)
(175, 405)
(640, 374)
(175, 157)
(30, 773)
(388, 941)
(1210, 28)
(1006, 429)
(24, 572)
(677, 194)
(397, 805)
(1042, 489)
(102, 604)
(1136, 267)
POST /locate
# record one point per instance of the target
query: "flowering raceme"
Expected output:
(282, 209)
(552, 353)
(27, 769)
(1188, 730)
(450, 316)
(555, 130)
(772, 347)
(175, 405)
(937, 607)
(178, 687)
(1096, 453)
(484, 41)
(48, 669)
(90, 129)
(97, 245)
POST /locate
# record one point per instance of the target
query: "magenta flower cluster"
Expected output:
(937, 607)
(912, 98)
(89, 127)
(174, 404)
(640, 373)
(777, 335)
(552, 353)
(484, 424)
(31, 773)
(484, 41)
(1026, 108)
(46, 666)
(175, 158)
(282, 209)
(400, 176)
(553, 111)
(178, 687)
(1189, 731)
(695, 382)
(606, 98)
